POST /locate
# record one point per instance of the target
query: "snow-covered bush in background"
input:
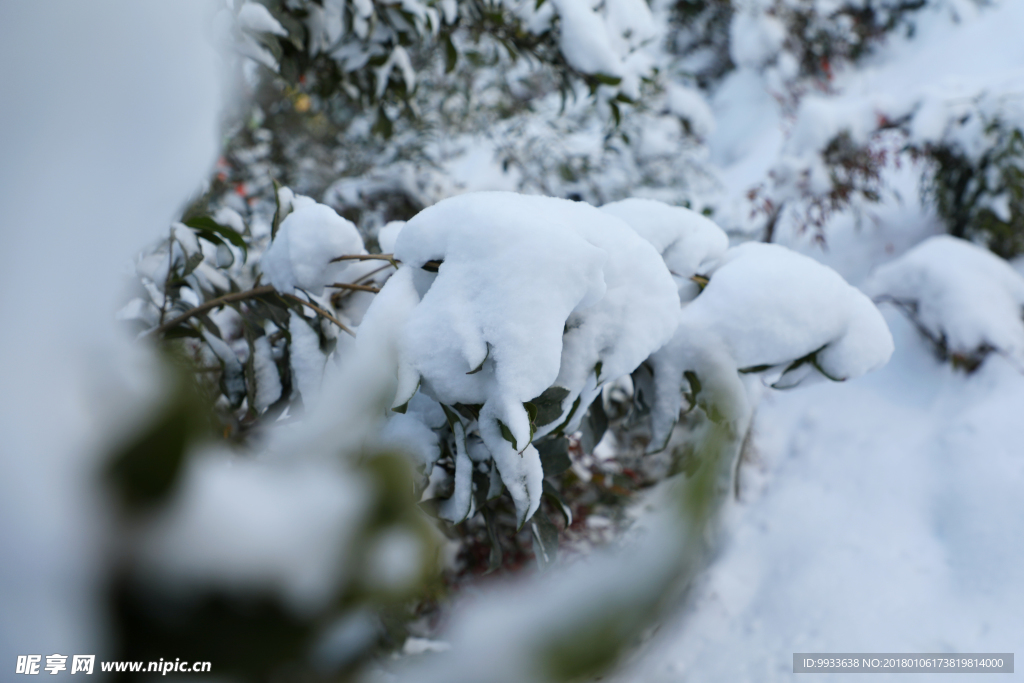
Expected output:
(964, 300)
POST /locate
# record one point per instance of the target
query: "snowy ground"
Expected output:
(879, 515)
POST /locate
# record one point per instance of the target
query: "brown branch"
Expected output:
(319, 310)
(242, 296)
(373, 272)
(210, 305)
(364, 257)
(358, 288)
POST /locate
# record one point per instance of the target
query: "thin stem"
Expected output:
(242, 296)
(370, 274)
(319, 310)
(364, 257)
(358, 288)
(210, 305)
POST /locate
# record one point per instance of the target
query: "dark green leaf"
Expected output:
(554, 496)
(207, 223)
(594, 426)
(451, 55)
(549, 405)
(606, 79)
(481, 366)
(494, 561)
(554, 455)
(145, 469)
(192, 263)
(506, 434)
(545, 539)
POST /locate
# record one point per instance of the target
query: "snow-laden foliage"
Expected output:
(306, 240)
(536, 302)
(506, 317)
(766, 310)
(965, 300)
(524, 351)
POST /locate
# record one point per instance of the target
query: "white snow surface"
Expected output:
(878, 515)
(68, 248)
(689, 243)
(766, 306)
(532, 292)
(306, 241)
(307, 360)
(961, 293)
(240, 524)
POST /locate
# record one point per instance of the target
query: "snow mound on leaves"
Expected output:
(688, 242)
(308, 238)
(959, 293)
(532, 292)
(765, 307)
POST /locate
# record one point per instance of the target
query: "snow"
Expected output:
(306, 241)
(255, 17)
(879, 515)
(80, 199)
(388, 234)
(961, 293)
(688, 242)
(765, 306)
(754, 37)
(239, 524)
(268, 380)
(689, 104)
(307, 360)
(584, 39)
(510, 314)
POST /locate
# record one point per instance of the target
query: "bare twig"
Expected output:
(319, 310)
(210, 305)
(364, 257)
(242, 296)
(373, 272)
(358, 288)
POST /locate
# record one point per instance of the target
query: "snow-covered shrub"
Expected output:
(535, 304)
(491, 333)
(967, 302)
(769, 311)
(976, 179)
(301, 547)
(372, 53)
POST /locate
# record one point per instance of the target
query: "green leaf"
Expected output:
(594, 426)
(549, 405)
(568, 418)
(192, 263)
(276, 223)
(554, 455)
(451, 55)
(383, 126)
(554, 496)
(545, 539)
(606, 79)
(469, 411)
(205, 223)
(495, 559)
(181, 331)
(481, 366)
(506, 434)
(145, 469)
(616, 114)
(531, 413)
